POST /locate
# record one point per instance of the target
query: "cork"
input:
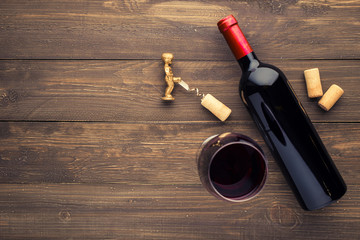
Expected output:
(330, 97)
(313, 83)
(216, 107)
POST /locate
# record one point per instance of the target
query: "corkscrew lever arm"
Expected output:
(184, 85)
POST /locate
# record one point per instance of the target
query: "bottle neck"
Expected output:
(236, 40)
(248, 62)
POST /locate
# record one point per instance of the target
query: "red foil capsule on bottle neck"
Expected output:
(235, 38)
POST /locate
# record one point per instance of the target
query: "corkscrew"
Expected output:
(219, 109)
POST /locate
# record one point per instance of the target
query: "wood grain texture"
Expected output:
(121, 211)
(89, 151)
(130, 91)
(137, 153)
(111, 180)
(140, 29)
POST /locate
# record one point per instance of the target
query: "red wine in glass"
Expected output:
(232, 167)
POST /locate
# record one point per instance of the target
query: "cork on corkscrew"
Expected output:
(216, 107)
(220, 110)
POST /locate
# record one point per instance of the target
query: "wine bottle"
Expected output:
(284, 125)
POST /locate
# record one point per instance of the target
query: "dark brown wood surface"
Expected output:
(89, 151)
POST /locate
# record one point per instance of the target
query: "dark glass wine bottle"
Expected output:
(284, 125)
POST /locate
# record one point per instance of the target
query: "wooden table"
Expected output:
(89, 151)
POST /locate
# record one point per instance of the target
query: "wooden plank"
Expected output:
(126, 90)
(121, 211)
(144, 153)
(130, 29)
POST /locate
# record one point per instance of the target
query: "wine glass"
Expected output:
(232, 166)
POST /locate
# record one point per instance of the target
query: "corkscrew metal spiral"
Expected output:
(196, 90)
